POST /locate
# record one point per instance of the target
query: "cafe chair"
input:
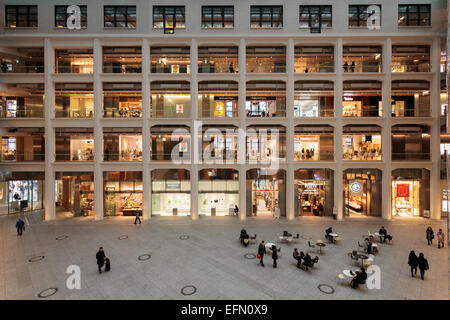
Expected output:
(311, 245)
(253, 239)
(353, 255)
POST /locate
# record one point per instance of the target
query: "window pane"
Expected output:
(180, 19)
(109, 17)
(206, 17)
(229, 18)
(266, 21)
(217, 18)
(157, 18)
(131, 17)
(277, 18)
(255, 18)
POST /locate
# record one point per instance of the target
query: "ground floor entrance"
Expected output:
(18, 196)
(405, 198)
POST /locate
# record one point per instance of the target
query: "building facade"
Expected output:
(306, 108)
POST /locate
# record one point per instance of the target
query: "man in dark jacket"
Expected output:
(383, 234)
(20, 225)
(307, 261)
(137, 218)
(423, 264)
(359, 278)
(100, 256)
(274, 256)
(261, 252)
(297, 257)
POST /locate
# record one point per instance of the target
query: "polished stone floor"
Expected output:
(211, 259)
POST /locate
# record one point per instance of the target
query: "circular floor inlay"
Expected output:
(36, 259)
(326, 288)
(144, 257)
(306, 237)
(123, 237)
(47, 292)
(62, 237)
(188, 290)
(184, 237)
(249, 256)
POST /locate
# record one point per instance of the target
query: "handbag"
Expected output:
(258, 256)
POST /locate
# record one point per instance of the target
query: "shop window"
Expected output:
(74, 61)
(217, 17)
(410, 192)
(122, 59)
(410, 58)
(120, 17)
(358, 15)
(313, 99)
(22, 60)
(123, 193)
(26, 101)
(61, 16)
(266, 17)
(21, 16)
(265, 99)
(313, 143)
(74, 100)
(314, 59)
(171, 192)
(362, 143)
(122, 100)
(75, 194)
(315, 17)
(414, 15)
(170, 143)
(266, 144)
(362, 59)
(218, 59)
(410, 98)
(170, 99)
(362, 192)
(172, 60)
(168, 18)
(218, 99)
(122, 146)
(362, 99)
(266, 59)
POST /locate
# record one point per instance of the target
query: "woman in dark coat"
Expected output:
(274, 256)
(412, 262)
(100, 256)
(430, 235)
(423, 264)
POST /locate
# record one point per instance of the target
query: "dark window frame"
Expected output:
(174, 21)
(418, 12)
(321, 9)
(28, 14)
(83, 21)
(361, 10)
(127, 21)
(223, 8)
(271, 16)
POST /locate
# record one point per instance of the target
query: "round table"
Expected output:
(320, 245)
(347, 273)
(362, 257)
(333, 236)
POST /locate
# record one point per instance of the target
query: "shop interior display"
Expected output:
(311, 196)
(358, 147)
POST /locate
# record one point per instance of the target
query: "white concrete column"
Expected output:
(338, 173)
(194, 130)
(435, 188)
(290, 208)
(146, 177)
(241, 137)
(98, 131)
(386, 183)
(49, 183)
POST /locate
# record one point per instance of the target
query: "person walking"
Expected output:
(137, 218)
(274, 255)
(261, 252)
(430, 235)
(441, 238)
(413, 262)
(100, 256)
(423, 264)
(20, 226)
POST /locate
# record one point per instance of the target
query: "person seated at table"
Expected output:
(307, 261)
(244, 235)
(369, 244)
(286, 234)
(383, 234)
(297, 257)
(327, 234)
(359, 278)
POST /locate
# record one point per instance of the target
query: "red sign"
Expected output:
(402, 190)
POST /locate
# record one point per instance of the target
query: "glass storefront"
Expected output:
(75, 193)
(314, 192)
(123, 193)
(218, 192)
(21, 192)
(362, 192)
(72, 144)
(74, 100)
(362, 98)
(266, 192)
(266, 144)
(170, 99)
(213, 59)
(265, 99)
(171, 192)
(313, 143)
(218, 99)
(22, 100)
(314, 99)
(361, 143)
(122, 146)
(22, 144)
(122, 100)
(410, 192)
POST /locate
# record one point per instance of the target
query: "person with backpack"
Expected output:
(261, 252)
(413, 262)
(423, 265)
(20, 226)
(429, 235)
(440, 237)
(100, 256)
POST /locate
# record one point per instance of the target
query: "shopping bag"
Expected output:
(258, 256)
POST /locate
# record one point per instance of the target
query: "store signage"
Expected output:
(74, 18)
(356, 188)
(402, 190)
(179, 108)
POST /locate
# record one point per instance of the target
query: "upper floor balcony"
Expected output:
(410, 142)
(170, 59)
(22, 144)
(22, 100)
(362, 98)
(22, 60)
(361, 142)
(74, 144)
(170, 143)
(313, 143)
(266, 143)
(314, 99)
(265, 98)
(410, 58)
(218, 99)
(215, 59)
(411, 98)
(266, 59)
(74, 100)
(362, 58)
(122, 100)
(122, 59)
(74, 61)
(122, 144)
(219, 142)
(312, 59)
(170, 99)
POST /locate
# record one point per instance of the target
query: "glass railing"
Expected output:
(230, 155)
(72, 114)
(123, 156)
(22, 157)
(362, 68)
(22, 113)
(122, 113)
(67, 156)
(413, 67)
(325, 68)
(175, 69)
(215, 68)
(266, 68)
(75, 69)
(322, 156)
(181, 156)
(426, 112)
(367, 111)
(129, 68)
(169, 112)
(23, 69)
(362, 156)
(410, 156)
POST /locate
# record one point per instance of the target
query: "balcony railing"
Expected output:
(362, 156)
(410, 156)
(129, 68)
(123, 156)
(67, 156)
(320, 156)
(22, 113)
(22, 157)
(24, 69)
(169, 157)
(75, 69)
